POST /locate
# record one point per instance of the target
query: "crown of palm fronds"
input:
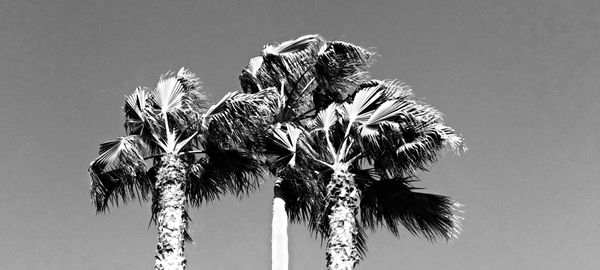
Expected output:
(390, 130)
(311, 73)
(174, 118)
(375, 128)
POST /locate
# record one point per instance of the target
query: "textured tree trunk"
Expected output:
(343, 200)
(171, 215)
(279, 237)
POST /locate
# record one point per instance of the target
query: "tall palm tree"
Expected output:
(370, 147)
(195, 154)
(310, 72)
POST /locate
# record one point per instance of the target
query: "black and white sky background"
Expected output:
(519, 79)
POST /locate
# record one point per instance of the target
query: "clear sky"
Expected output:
(519, 79)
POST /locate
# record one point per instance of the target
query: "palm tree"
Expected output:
(310, 72)
(370, 147)
(194, 153)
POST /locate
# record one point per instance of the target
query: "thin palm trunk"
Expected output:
(279, 237)
(343, 200)
(171, 215)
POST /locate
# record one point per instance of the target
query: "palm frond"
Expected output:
(423, 113)
(361, 241)
(289, 65)
(168, 94)
(260, 104)
(289, 61)
(394, 203)
(135, 111)
(424, 148)
(300, 191)
(118, 173)
(393, 89)
(188, 79)
(201, 187)
(219, 107)
(222, 171)
(340, 69)
(298, 48)
(362, 106)
(193, 102)
(141, 118)
(254, 65)
(384, 113)
(398, 134)
(281, 145)
(452, 140)
(239, 118)
(325, 119)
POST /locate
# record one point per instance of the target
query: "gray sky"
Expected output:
(519, 79)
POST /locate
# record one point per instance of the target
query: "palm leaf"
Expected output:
(254, 65)
(393, 89)
(394, 203)
(298, 48)
(260, 104)
(362, 106)
(452, 140)
(289, 65)
(325, 119)
(340, 69)
(300, 191)
(423, 148)
(135, 111)
(188, 79)
(220, 106)
(168, 94)
(398, 134)
(128, 150)
(239, 118)
(193, 102)
(383, 114)
(289, 61)
(119, 172)
(281, 145)
(201, 187)
(222, 171)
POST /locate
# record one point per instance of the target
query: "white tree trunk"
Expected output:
(171, 216)
(343, 200)
(279, 237)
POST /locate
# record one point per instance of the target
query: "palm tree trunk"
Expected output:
(279, 237)
(343, 200)
(171, 218)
